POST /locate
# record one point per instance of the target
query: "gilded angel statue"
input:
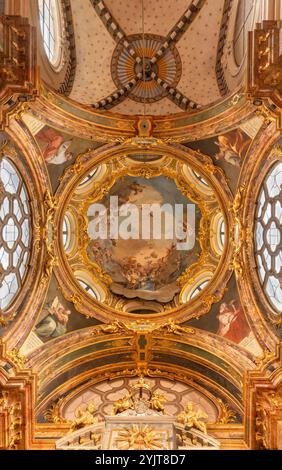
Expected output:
(123, 404)
(174, 328)
(192, 419)
(84, 417)
(157, 402)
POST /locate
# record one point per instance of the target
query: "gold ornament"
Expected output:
(139, 437)
(227, 415)
(171, 327)
(16, 357)
(192, 419)
(157, 402)
(123, 404)
(84, 417)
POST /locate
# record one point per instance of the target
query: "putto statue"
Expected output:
(84, 417)
(123, 404)
(157, 402)
(192, 419)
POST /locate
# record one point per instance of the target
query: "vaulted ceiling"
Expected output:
(77, 313)
(178, 54)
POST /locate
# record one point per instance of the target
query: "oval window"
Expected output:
(49, 16)
(243, 24)
(268, 236)
(15, 233)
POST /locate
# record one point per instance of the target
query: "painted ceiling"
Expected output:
(86, 317)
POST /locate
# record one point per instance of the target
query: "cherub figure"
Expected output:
(84, 417)
(157, 402)
(192, 419)
(173, 328)
(123, 404)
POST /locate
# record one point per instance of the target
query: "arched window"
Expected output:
(268, 236)
(243, 24)
(14, 232)
(49, 16)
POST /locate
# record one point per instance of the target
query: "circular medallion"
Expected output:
(125, 66)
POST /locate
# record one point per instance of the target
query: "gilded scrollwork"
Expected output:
(268, 412)
(111, 328)
(11, 409)
(227, 414)
(17, 357)
(51, 261)
(265, 358)
(238, 200)
(53, 415)
(50, 204)
(168, 327)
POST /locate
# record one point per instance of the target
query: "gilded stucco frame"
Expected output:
(201, 163)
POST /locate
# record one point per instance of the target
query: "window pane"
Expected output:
(49, 14)
(88, 289)
(14, 232)
(268, 236)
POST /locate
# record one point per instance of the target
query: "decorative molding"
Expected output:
(219, 71)
(264, 409)
(82, 121)
(18, 69)
(66, 87)
(16, 409)
(265, 65)
(142, 327)
(262, 155)
(17, 358)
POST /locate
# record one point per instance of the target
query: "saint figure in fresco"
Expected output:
(232, 322)
(55, 147)
(55, 323)
(233, 147)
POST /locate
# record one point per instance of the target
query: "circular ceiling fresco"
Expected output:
(147, 256)
(142, 233)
